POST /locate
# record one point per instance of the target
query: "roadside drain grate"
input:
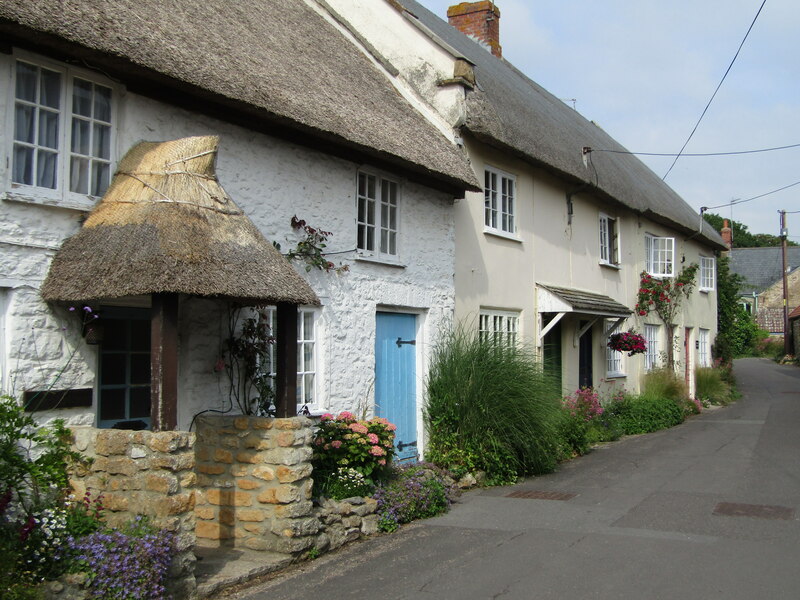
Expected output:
(533, 495)
(759, 511)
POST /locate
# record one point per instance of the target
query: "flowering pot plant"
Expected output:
(628, 341)
(366, 446)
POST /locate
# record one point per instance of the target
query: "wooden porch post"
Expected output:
(286, 361)
(164, 362)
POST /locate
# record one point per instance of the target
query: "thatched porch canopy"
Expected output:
(165, 225)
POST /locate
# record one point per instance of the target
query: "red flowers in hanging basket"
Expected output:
(628, 341)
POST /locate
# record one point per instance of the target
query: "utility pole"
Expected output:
(787, 348)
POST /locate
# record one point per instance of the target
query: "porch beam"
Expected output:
(579, 333)
(286, 361)
(549, 326)
(164, 362)
(613, 329)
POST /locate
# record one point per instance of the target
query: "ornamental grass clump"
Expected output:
(345, 442)
(711, 386)
(415, 491)
(491, 406)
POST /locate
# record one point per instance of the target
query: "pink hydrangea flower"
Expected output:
(377, 451)
(346, 416)
(326, 417)
(358, 427)
(382, 461)
(373, 438)
(336, 444)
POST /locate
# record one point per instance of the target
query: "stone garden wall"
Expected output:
(254, 483)
(145, 473)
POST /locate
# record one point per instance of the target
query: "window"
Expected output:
(499, 201)
(651, 339)
(306, 353)
(62, 136)
(659, 255)
(124, 386)
(377, 205)
(500, 326)
(707, 273)
(703, 354)
(609, 240)
(613, 357)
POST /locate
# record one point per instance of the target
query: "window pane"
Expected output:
(79, 175)
(308, 388)
(115, 334)
(140, 403)
(23, 165)
(51, 89)
(371, 213)
(48, 129)
(80, 136)
(101, 147)
(81, 97)
(112, 404)
(23, 123)
(308, 325)
(384, 241)
(114, 369)
(362, 185)
(392, 242)
(100, 178)
(140, 368)
(102, 103)
(370, 238)
(371, 186)
(308, 357)
(46, 163)
(26, 82)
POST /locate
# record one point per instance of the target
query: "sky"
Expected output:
(644, 70)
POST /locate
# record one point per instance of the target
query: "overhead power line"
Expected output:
(735, 202)
(731, 153)
(696, 125)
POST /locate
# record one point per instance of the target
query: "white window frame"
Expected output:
(496, 324)
(5, 387)
(704, 348)
(708, 271)
(659, 255)
(609, 240)
(614, 358)
(61, 195)
(307, 372)
(378, 216)
(652, 333)
(499, 202)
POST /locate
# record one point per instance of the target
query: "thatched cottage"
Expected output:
(551, 250)
(308, 126)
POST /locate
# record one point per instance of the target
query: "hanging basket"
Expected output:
(628, 341)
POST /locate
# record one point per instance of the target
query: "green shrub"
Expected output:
(573, 429)
(416, 491)
(491, 406)
(711, 385)
(645, 413)
(663, 383)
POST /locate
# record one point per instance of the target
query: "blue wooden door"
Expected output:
(396, 378)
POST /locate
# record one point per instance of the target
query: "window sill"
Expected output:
(705, 290)
(378, 260)
(79, 203)
(608, 265)
(502, 234)
(616, 375)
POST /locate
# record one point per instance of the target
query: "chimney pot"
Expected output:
(478, 20)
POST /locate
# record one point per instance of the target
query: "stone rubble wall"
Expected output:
(344, 521)
(254, 483)
(145, 473)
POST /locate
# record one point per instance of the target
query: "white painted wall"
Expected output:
(271, 180)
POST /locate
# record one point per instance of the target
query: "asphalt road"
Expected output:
(708, 509)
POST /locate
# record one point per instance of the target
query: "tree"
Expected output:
(742, 238)
(736, 330)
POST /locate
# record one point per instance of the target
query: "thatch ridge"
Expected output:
(511, 112)
(166, 225)
(276, 61)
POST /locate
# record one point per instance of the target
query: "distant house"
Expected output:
(551, 250)
(308, 126)
(762, 291)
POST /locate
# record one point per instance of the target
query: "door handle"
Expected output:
(401, 446)
(401, 341)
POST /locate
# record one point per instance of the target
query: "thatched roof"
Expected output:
(166, 225)
(273, 65)
(513, 113)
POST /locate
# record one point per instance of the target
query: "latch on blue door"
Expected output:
(401, 341)
(401, 446)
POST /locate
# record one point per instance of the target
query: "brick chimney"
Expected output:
(478, 20)
(727, 234)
